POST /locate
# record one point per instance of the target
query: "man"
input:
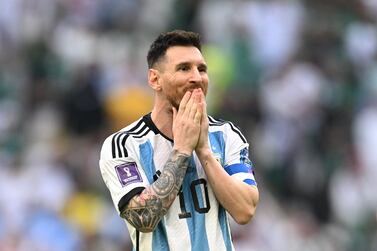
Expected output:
(175, 172)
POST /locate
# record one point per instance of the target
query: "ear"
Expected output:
(153, 79)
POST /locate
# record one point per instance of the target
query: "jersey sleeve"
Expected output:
(121, 170)
(237, 161)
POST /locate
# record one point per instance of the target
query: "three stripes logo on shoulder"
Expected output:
(128, 173)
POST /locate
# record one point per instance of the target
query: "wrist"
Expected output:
(181, 159)
(182, 151)
(203, 153)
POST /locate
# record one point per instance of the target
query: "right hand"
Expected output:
(203, 145)
(186, 123)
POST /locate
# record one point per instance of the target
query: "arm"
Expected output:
(237, 197)
(145, 210)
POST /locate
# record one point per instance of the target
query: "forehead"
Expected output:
(178, 54)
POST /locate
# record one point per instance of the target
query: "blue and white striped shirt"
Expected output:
(131, 160)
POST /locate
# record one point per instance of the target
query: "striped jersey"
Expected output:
(132, 159)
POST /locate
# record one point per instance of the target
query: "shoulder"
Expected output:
(114, 146)
(226, 127)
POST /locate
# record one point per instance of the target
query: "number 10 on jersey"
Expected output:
(195, 186)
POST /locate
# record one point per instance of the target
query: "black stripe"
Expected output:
(127, 197)
(116, 144)
(238, 132)
(124, 145)
(113, 145)
(214, 122)
(139, 131)
(128, 133)
(211, 119)
(136, 126)
(217, 123)
(145, 133)
(235, 129)
(137, 240)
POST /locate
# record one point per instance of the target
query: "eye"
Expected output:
(184, 68)
(202, 69)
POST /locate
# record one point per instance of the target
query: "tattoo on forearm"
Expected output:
(146, 210)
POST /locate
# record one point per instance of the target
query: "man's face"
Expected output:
(183, 68)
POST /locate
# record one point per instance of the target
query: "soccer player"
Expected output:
(175, 173)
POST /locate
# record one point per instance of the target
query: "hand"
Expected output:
(203, 146)
(187, 122)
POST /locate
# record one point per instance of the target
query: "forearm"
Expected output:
(237, 197)
(145, 210)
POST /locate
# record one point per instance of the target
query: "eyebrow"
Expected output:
(201, 65)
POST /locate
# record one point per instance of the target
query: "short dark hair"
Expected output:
(172, 38)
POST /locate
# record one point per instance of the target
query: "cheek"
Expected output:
(173, 91)
(178, 95)
(175, 86)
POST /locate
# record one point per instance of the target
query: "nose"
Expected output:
(195, 76)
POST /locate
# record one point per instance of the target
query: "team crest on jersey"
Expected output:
(128, 173)
(244, 156)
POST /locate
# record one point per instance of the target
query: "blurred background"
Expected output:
(298, 77)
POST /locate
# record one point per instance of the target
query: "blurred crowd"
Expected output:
(298, 77)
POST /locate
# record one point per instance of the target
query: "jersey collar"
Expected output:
(149, 122)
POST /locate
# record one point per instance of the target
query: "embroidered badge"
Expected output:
(128, 173)
(244, 157)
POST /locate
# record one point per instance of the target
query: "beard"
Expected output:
(176, 99)
(174, 103)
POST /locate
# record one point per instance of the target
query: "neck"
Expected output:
(162, 117)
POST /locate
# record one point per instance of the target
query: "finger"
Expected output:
(198, 114)
(202, 96)
(198, 94)
(188, 107)
(184, 101)
(193, 110)
(203, 102)
(195, 103)
(204, 109)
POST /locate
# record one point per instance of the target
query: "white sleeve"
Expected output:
(236, 146)
(123, 175)
(237, 161)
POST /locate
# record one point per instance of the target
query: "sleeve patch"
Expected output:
(244, 156)
(128, 173)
